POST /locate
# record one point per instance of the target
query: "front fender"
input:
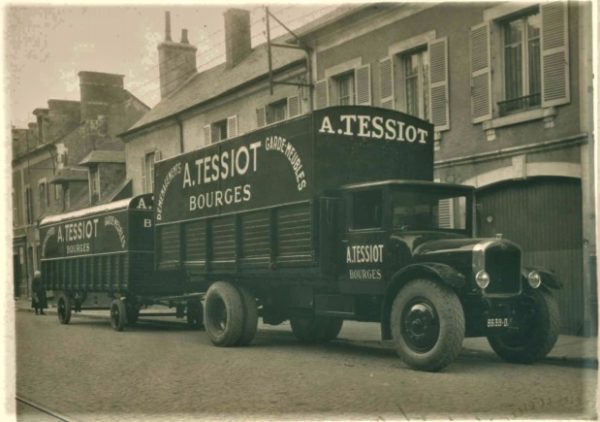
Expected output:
(548, 277)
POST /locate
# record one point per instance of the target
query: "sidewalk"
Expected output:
(581, 351)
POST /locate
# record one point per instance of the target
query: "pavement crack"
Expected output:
(399, 406)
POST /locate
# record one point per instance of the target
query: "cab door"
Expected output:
(363, 242)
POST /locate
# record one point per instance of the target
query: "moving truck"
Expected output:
(334, 216)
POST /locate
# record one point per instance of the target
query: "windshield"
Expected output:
(429, 210)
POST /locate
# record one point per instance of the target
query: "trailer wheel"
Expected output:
(428, 325)
(250, 317)
(195, 314)
(540, 321)
(64, 308)
(118, 314)
(224, 314)
(316, 329)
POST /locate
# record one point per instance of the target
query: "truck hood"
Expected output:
(423, 243)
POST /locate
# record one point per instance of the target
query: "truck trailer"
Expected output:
(334, 216)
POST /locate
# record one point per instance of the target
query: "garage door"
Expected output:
(542, 215)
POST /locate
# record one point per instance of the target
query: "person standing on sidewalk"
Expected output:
(38, 299)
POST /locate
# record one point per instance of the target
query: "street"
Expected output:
(163, 370)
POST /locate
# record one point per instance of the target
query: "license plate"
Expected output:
(498, 322)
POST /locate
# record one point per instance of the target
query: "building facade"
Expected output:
(508, 86)
(67, 159)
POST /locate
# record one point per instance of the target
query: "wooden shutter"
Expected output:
(293, 106)
(555, 54)
(232, 127)
(386, 83)
(143, 161)
(438, 84)
(362, 80)
(481, 81)
(321, 94)
(260, 117)
(207, 133)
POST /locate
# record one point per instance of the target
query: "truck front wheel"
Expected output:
(316, 329)
(224, 314)
(539, 326)
(428, 325)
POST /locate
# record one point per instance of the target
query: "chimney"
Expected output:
(176, 60)
(237, 36)
(98, 92)
(41, 115)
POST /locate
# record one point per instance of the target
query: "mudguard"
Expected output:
(548, 277)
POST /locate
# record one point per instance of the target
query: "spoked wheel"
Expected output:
(224, 314)
(64, 309)
(195, 314)
(539, 323)
(118, 315)
(428, 325)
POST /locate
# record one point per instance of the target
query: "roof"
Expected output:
(327, 19)
(111, 206)
(408, 183)
(69, 175)
(100, 156)
(216, 81)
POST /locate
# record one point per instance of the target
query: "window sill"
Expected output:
(522, 117)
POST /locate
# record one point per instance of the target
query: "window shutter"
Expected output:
(481, 81)
(260, 116)
(293, 105)
(362, 77)
(555, 54)
(446, 214)
(207, 133)
(438, 84)
(321, 94)
(386, 82)
(232, 127)
(143, 161)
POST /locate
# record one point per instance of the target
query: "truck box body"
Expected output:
(107, 248)
(252, 204)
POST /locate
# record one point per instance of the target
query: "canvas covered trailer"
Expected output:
(254, 207)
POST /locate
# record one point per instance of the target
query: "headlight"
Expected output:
(534, 279)
(482, 279)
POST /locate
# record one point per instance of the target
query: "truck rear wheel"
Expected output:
(64, 309)
(428, 325)
(540, 324)
(316, 329)
(250, 317)
(118, 315)
(195, 314)
(224, 314)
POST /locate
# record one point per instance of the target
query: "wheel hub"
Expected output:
(420, 325)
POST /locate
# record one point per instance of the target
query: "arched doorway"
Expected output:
(542, 215)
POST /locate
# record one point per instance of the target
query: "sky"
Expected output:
(46, 46)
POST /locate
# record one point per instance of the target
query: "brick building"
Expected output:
(69, 158)
(506, 84)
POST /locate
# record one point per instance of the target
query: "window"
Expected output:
(149, 159)
(43, 195)
(218, 131)
(67, 197)
(276, 112)
(57, 192)
(366, 209)
(343, 88)
(416, 83)
(28, 205)
(522, 75)
(94, 175)
(420, 210)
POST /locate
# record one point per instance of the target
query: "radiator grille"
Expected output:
(503, 264)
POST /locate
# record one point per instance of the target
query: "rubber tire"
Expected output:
(195, 314)
(451, 320)
(118, 315)
(316, 329)
(542, 337)
(132, 313)
(66, 302)
(226, 295)
(250, 317)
